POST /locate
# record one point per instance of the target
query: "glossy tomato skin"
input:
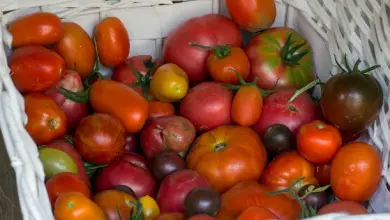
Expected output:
(323, 174)
(171, 216)
(46, 120)
(318, 142)
(120, 101)
(350, 207)
(209, 30)
(214, 153)
(35, 68)
(77, 49)
(114, 203)
(158, 109)
(256, 213)
(40, 28)
(247, 106)
(269, 66)
(112, 41)
(355, 172)
(286, 168)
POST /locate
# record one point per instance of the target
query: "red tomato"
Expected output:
(35, 68)
(318, 142)
(323, 174)
(350, 207)
(46, 121)
(114, 203)
(40, 28)
(158, 109)
(247, 106)
(65, 182)
(210, 30)
(112, 41)
(355, 172)
(201, 217)
(171, 216)
(257, 213)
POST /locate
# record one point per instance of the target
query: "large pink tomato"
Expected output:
(208, 30)
(282, 57)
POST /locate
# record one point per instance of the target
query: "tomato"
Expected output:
(114, 202)
(253, 194)
(55, 161)
(211, 30)
(150, 208)
(286, 168)
(318, 142)
(256, 213)
(214, 154)
(277, 60)
(40, 28)
(252, 15)
(323, 174)
(158, 109)
(77, 49)
(247, 106)
(355, 172)
(350, 207)
(65, 182)
(201, 217)
(77, 206)
(46, 120)
(100, 138)
(112, 41)
(35, 68)
(169, 83)
(171, 216)
(120, 101)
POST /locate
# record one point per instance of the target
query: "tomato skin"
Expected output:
(257, 213)
(46, 120)
(247, 106)
(120, 101)
(355, 172)
(113, 201)
(252, 15)
(318, 142)
(286, 168)
(323, 174)
(76, 206)
(242, 149)
(171, 216)
(158, 109)
(77, 49)
(112, 41)
(40, 28)
(150, 207)
(350, 207)
(35, 68)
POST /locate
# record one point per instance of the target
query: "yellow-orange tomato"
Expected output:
(150, 208)
(76, 206)
(114, 203)
(355, 172)
(247, 106)
(158, 109)
(169, 83)
(228, 155)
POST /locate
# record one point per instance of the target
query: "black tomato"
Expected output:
(202, 200)
(315, 199)
(278, 138)
(166, 163)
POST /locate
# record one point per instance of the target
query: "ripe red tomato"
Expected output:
(286, 168)
(247, 106)
(35, 68)
(252, 15)
(100, 138)
(158, 109)
(46, 120)
(201, 217)
(350, 207)
(112, 41)
(40, 28)
(257, 213)
(114, 203)
(355, 172)
(171, 216)
(318, 142)
(65, 182)
(323, 174)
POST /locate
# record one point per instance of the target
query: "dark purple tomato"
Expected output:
(202, 200)
(278, 138)
(315, 199)
(166, 163)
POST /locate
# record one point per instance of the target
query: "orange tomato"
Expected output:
(228, 155)
(120, 101)
(247, 106)
(112, 41)
(76, 206)
(252, 15)
(323, 174)
(350, 207)
(40, 28)
(113, 202)
(77, 49)
(355, 172)
(257, 213)
(158, 109)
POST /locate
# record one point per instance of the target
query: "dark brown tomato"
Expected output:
(202, 200)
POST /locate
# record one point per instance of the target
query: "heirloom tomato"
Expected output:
(247, 106)
(55, 161)
(116, 204)
(150, 208)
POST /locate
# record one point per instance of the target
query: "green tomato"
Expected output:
(56, 161)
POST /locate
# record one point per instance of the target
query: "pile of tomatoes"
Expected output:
(216, 131)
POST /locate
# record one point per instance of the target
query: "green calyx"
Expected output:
(135, 213)
(288, 52)
(143, 80)
(91, 169)
(355, 68)
(220, 51)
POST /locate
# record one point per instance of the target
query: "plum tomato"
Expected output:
(202, 200)
(55, 161)
(150, 208)
(247, 105)
(166, 163)
(350, 207)
(278, 138)
(114, 203)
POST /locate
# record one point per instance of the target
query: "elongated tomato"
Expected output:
(120, 101)
(247, 106)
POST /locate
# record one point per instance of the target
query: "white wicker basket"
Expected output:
(358, 28)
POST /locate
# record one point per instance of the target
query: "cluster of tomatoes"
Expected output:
(216, 131)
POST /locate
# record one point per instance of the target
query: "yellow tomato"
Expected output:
(149, 207)
(169, 83)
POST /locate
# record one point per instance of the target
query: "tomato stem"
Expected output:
(79, 97)
(220, 51)
(220, 146)
(355, 68)
(91, 169)
(304, 89)
(69, 139)
(143, 80)
(289, 53)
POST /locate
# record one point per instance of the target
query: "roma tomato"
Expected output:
(46, 120)
(247, 106)
(355, 172)
(35, 68)
(40, 28)
(150, 208)
(114, 203)
(350, 207)
(158, 109)
(77, 49)
(288, 63)
(252, 15)
(323, 174)
(214, 153)
(257, 213)
(120, 101)
(65, 182)
(318, 142)
(112, 41)
(286, 168)
(77, 206)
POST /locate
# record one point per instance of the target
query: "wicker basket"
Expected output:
(358, 28)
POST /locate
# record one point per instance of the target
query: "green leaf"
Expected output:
(321, 189)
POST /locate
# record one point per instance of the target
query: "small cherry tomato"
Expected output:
(318, 142)
(257, 213)
(350, 207)
(158, 109)
(323, 174)
(150, 208)
(247, 106)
